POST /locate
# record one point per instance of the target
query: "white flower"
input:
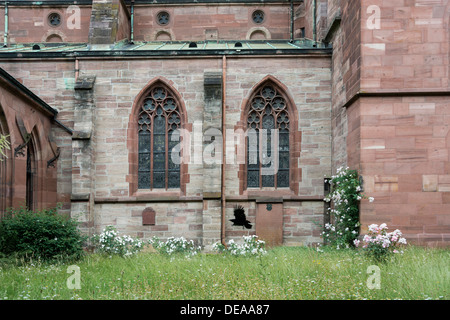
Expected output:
(371, 199)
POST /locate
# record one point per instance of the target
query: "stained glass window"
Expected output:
(268, 111)
(159, 118)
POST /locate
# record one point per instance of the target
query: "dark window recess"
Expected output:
(159, 118)
(54, 19)
(30, 176)
(163, 18)
(268, 111)
(258, 16)
(302, 33)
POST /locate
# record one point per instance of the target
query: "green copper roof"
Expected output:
(155, 48)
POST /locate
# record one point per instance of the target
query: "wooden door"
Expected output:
(269, 223)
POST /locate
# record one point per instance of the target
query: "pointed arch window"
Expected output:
(159, 117)
(267, 115)
(31, 176)
(5, 157)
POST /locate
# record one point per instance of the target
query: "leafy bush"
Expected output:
(175, 245)
(44, 235)
(252, 246)
(345, 195)
(110, 242)
(380, 244)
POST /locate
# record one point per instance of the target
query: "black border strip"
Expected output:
(138, 2)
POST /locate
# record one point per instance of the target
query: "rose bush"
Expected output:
(380, 244)
(346, 192)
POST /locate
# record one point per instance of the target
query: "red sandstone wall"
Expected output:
(53, 83)
(124, 27)
(30, 24)
(405, 161)
(404, 138)
(345, 76)
(410, 50)
(15, 104)
(210, 22)
(398, 139)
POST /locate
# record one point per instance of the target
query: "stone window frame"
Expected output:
(133, 141)
(268, 111)
(32, 174)
(263, 30)
(158, 118)
(5, 166)
(295, 172)
(260, 11)
(53, 32)
(49, 19)
(157, 18)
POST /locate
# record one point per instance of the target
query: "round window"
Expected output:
(54, 19)
(258, 16)
(163, 18)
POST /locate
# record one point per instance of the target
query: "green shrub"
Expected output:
(44, 235)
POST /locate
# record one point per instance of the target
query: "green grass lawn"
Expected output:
(284, 273)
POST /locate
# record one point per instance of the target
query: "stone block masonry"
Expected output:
(212, 168)
(378, 104)
(83, 153)
(404, 160)
(390, 111)
(99, 109)
(198, 81)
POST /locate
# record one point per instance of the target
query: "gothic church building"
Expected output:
(137, 113)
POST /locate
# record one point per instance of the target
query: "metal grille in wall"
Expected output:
(268, 110)
(159, 117)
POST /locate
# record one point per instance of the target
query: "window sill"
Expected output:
(269, 192)
(150, 196)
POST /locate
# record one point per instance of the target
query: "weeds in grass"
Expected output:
(283, 273)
